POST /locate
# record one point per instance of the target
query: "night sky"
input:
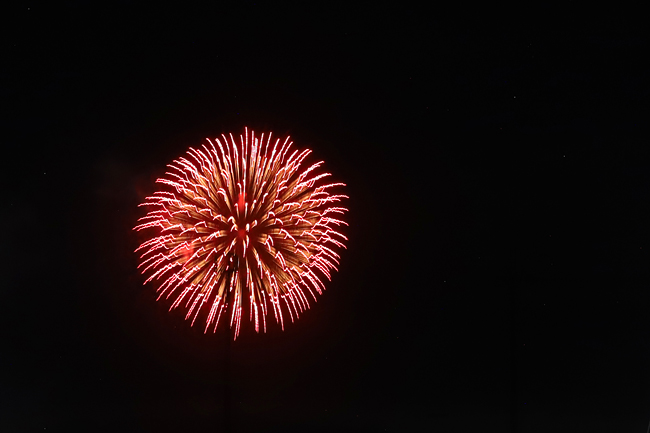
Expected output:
(496, 276)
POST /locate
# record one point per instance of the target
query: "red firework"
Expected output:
(242, 220)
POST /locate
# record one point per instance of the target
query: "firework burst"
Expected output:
(242, 220)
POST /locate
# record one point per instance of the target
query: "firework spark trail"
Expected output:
(242, 222)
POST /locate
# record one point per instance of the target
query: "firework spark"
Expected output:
(242, 220)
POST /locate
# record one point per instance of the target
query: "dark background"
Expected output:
(496, 276)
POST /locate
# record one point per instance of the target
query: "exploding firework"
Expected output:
(242, 220)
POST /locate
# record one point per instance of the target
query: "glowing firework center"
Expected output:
(241, 220)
